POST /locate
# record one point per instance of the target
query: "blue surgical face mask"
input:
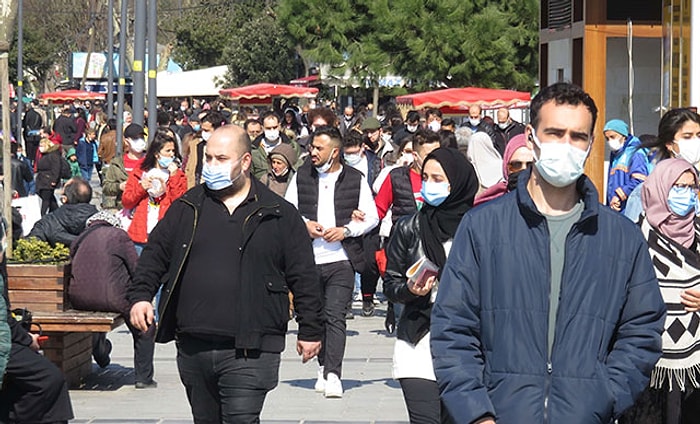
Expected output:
(165, 161)
(434, 193)
(218, 177)
(196, 127)
(682, 200)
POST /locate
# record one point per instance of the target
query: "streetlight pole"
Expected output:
(152, 65)
(8, 13)
(139, 57)
(110, 59)
(122, 75)
(20, 72)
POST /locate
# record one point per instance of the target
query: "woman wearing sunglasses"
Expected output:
(517, 157)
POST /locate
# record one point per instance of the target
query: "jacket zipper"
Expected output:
(187, 252)
(548, 376)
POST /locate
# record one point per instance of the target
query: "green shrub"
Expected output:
(34, 251)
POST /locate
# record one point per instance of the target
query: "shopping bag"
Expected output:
(30, 209)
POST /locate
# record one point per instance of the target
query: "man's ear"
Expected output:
(529, 130)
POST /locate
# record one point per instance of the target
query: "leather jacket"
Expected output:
(404, 249)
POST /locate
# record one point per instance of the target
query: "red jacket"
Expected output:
(135, 196)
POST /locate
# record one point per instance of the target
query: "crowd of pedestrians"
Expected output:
(515, 296)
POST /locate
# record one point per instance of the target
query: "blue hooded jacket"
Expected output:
(489, 325)
(629, 167)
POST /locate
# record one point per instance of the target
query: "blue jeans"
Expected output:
(224, 384)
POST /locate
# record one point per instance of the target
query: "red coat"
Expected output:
(135, 196)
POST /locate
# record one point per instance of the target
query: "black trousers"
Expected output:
(48, 201)
(144, 348)
(422, 399)
(337, 282)
(34, 390)
(370, 276)
(224, 384)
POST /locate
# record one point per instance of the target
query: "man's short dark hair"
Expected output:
(562, 93)
(332, 132)
(423, 136)
(77, 190)
(268, 114)
(353, 139)
(434, 112)
(215, 118)
(412, 116)
(447, 139)
(251, 121)
(162, 118)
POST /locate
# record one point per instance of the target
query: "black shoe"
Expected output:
(101, 354)
(367, 308)
(150, 385)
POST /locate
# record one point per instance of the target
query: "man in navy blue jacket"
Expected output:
(568, 329)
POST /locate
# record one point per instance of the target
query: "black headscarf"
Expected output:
(439, 224)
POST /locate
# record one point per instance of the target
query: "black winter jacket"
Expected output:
(50, 169)
(276, 257)
(64, 224)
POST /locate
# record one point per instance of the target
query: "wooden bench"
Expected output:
(43, 289)
(69, 343)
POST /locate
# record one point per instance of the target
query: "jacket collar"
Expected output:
(584, 186)
(195, 196)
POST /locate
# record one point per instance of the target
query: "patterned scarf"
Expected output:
(677, 269)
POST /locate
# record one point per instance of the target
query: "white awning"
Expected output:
(202, 82)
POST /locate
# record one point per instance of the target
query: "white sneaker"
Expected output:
(320, 385)
(334, 387)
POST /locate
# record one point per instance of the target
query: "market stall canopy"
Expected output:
(67, 96)
(459, 99)
(200, 82)
(268, 91)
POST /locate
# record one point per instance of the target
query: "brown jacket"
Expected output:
(189, 147)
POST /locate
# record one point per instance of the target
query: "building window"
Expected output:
(559, 12)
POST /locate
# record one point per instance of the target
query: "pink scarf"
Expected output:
(655, 201)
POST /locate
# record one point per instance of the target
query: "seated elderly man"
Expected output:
(65, 223)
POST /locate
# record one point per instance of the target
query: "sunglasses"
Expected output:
(516, 165)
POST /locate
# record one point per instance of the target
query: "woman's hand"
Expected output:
(172, 168)
(425, 288)
(691, 300)
(146, 183)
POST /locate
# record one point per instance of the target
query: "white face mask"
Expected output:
(138, 145)
(474, 121)
(434, 126)
(206, 135)
(502, 125)
(689, 149)
(407, 159)
(615, 144)
(560, 164)
(411, 128)
(353, 159)
(272, 135)
(326, 166)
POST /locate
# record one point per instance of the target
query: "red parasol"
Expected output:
(67, 96)
(462, 98)
(266, 91)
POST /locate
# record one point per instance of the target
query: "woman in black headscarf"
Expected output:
(449, 186)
